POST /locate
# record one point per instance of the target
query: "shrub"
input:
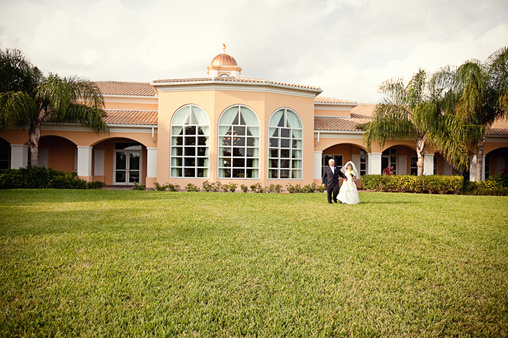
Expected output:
(411, 183)
(166, 187)
(95, 185)
(294, 189)
(500, 179)
(275, 188)
(192, 187)
(310, 188)
(232, 187)
(488, 187)
(388, 171)
(216, 186)
(225, 187)
(207, 186)
(244, 188)
(40, 177)
(138, 186)
(160, 187)
(257, 188)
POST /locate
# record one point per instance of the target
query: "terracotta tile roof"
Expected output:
(360, 114)
(132, 117)
(237, 80)
(322, 99)
(499, 127)
(126, 88)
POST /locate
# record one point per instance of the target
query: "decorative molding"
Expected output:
(131, 99)
(113, 128)
(356, 135)
(235, 86)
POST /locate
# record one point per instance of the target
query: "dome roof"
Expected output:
(224, 60)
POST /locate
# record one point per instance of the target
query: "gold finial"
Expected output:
(224, 47)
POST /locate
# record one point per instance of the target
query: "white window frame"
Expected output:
(279, 148)
(196, 157)
(390, 156)
(256, 148)
(335, 157)
(363, 162)
(127, 164)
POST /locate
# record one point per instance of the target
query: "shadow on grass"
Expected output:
(388, 202)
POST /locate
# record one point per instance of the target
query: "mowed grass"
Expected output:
(145, 263)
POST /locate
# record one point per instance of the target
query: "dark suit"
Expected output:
(331, 179)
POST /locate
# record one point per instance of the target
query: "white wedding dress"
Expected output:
(348, 193)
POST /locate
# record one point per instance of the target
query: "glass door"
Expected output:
(134, 166)
(127, 163)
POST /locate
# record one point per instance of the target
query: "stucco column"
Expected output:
(19, 156)
(374, 163)
(318, 159)
(472, 168)
(151, 166)
(428, 164)
(402, 165)
(483, 168)
(85, 162)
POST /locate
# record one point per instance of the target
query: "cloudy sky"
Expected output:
(346, 47)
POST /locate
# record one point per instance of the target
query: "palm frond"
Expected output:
(90, 117)
(16, 109)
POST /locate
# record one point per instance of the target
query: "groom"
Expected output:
(330, 180)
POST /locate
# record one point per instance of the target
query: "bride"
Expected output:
(348, 193)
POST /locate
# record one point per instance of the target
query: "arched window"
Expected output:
(285, 145)
(238, 143)
(190, 133)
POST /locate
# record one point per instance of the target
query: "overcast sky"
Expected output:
(346, 47)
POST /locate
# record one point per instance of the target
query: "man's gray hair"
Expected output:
(331, 160)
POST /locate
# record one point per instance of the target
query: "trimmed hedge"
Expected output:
(410, 183)
(40, 178)
(432, 184)
(495, 185)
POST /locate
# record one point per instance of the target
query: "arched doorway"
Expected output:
(5, 154)
(58, 153)
(343, 153)
(401, 159)
(496, 162)
(119, 161)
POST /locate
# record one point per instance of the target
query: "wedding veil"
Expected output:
(343, 169)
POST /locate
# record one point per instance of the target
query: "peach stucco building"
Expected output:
(228, 128)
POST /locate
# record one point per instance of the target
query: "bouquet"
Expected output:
(353, 173)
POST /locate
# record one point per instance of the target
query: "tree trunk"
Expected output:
(420, 152)
(479, 159)
(34, 134)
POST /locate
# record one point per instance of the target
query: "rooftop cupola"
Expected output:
(224, 65)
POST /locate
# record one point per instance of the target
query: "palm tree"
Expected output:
(45, 99)
(407, 112)
(476, 94)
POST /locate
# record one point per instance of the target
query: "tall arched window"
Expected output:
(285, 145)
(238, 143)
(190, 133)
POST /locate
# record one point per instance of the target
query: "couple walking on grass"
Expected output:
(348, 193)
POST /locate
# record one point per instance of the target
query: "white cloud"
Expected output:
(346, 47)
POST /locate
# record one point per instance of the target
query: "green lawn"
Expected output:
(139, 263)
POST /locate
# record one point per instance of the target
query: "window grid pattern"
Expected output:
(190, 143)
(389, 159)
(363, 162)
(238, 143)
(327, 157)
(285, 145)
